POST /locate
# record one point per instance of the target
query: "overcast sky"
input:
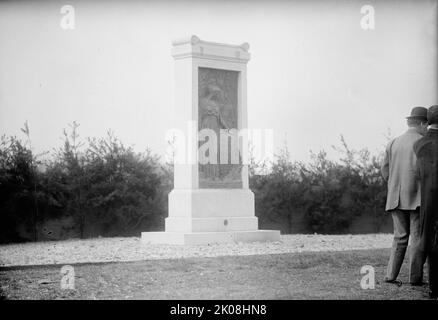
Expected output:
(314, 72)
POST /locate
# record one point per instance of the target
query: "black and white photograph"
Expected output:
(218, 154)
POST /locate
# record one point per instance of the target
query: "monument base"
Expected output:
(200, 238)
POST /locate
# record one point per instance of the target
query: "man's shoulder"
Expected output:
(407, 139)
(390, 143)
(424, 143)
(410, 134)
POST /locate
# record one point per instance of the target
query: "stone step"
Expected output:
(211, 224)
(204, 238)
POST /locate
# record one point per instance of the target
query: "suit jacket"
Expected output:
(399, 168)
(426, 150)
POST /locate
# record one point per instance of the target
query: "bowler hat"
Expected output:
(432, 115)
(419, 113)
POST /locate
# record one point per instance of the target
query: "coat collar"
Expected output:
(432, 133)
(412, 130)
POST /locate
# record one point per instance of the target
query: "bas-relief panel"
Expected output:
(218, 110)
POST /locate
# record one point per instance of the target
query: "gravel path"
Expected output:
(132, 249)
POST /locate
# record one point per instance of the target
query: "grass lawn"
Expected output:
(310, 275)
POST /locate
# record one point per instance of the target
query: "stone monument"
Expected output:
(211, 201)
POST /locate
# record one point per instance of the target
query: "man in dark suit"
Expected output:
(426, 150)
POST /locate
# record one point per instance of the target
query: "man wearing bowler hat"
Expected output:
(403, 201)
(426, 150)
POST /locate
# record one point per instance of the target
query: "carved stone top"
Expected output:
(194, 47)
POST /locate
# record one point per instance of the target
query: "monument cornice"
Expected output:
(194, 47)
